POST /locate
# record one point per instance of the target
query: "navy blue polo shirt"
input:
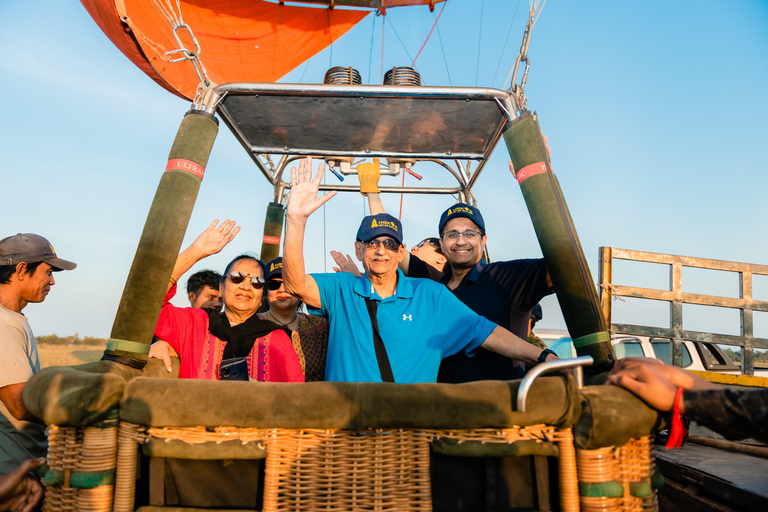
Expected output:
(420, 324)
(504, 292)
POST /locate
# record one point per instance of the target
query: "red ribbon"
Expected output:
(678, 432)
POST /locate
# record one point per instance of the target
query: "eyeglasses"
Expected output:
(238, 277)
(469, 234)
(274, 284)
(434, 242)
(388, 243)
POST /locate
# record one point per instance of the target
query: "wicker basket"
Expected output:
(338, 470)
(81, 469)
(618, 478)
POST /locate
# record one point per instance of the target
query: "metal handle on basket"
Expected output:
(539, 369)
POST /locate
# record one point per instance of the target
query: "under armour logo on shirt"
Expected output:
(407, 317)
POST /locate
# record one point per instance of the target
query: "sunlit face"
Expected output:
(380, 261)
(35, 287)
(242, 298)
(206, 298)
(462, 252)
(428, 254)
(280, 300)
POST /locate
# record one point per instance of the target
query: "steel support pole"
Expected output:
(273, 231)
(559, 242)
(161, 240)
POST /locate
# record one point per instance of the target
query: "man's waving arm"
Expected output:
(302, 202)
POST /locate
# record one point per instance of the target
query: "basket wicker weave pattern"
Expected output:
(81, 452)
(338, 470)
(618, 468)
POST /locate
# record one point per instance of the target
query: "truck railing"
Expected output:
(676, 297)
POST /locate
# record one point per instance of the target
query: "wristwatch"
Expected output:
(544, 354)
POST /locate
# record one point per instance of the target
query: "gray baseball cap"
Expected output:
(31, 248)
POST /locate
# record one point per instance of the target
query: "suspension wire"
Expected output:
(325, 251)
(306, 66)
(381, 79)
(370, 54)
(429, 35)
(277, 36)
(479, 40)
(398, 38)
(330, 38)
(400, 215)
(442, 49)
(504, 48)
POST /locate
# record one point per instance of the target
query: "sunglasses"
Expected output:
(274, 284)
(388, 243)
(239, 277)
(434, 242)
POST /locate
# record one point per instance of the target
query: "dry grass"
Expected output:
(68, 355)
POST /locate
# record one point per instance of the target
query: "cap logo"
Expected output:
(384, 224)
(461, 209)
(51, 247)
(275, 266)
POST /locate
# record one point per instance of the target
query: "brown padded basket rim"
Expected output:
(351, 406)
(611, 416)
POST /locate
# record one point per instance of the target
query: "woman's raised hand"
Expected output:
(215, 237)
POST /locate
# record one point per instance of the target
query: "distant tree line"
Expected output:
(53, 339)
(735, 355)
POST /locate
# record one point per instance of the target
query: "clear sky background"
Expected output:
(656, 111)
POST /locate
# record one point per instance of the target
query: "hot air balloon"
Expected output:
(225, 57)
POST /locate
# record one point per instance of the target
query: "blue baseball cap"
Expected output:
(274, 268)
(461, 210)
(380, 224)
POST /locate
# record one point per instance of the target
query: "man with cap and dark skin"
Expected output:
(419, 321)
(503, 292)
(27, 264)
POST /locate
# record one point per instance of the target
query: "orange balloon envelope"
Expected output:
(240, 40)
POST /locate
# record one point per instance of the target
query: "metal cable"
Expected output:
(428, 35)
(370, 54)
(479, 40)
(398, 38)
(445, 60)
(504, 48)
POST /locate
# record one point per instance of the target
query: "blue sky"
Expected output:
(656, 113)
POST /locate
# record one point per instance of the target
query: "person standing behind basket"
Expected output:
(204, 338)
(309, 333)
(27, 264)
(419, 321)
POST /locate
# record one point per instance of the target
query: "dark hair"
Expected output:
(264, 302)
(200, 280)
(434, 242)
(6, 271)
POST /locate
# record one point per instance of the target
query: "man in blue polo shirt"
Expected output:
(420, 322)
(504, 292)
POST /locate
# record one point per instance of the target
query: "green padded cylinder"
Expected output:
(273, 230)
(559, 242)
(161, 240)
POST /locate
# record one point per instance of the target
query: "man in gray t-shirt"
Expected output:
(27, 263)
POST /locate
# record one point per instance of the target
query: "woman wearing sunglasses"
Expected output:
(309, 333)
(215, 344)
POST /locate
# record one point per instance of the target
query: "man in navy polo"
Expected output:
(420, 321)
(504, 292)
